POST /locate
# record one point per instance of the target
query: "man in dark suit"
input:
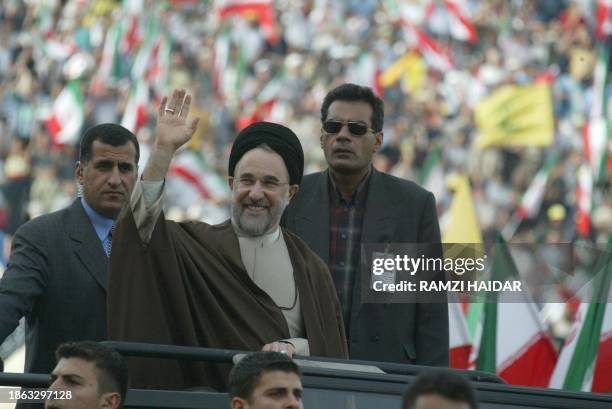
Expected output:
(352, 203)
(56, 275)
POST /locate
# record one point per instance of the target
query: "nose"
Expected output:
(344, 132)
(294, 402)
(114, 178)
(256, 191)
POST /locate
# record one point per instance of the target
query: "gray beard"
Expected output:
(255, 227)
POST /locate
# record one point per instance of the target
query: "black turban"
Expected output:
(281, 139)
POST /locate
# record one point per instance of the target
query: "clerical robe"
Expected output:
(188, 286)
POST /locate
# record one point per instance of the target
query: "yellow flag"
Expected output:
(463, 224)
(516, 115)
(409, 67)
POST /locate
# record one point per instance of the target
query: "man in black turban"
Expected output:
(245, 284)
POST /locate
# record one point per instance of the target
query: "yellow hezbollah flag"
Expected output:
(462, 236)
(517, 115)
(409, 68)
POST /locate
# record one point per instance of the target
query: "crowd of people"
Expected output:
(244, 68)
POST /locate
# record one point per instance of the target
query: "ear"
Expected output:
(238, 403)
(378, 140)
(230, 182)
(110, 400)
(293, 189)
(321, 138)
(78, 171)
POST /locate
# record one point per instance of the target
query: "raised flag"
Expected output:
(461, 26)
(462, 225)
(582, 364)
(109, 69)
(431, 174)
(514, 342)
(263, 10)
(459, 337)
(531, 201)
(136, 112)
(584, 191)
(67, 115)
(435, 55)
(516, 115)
(192, 179)
(409, 69)
(595, 131)
(603, 19)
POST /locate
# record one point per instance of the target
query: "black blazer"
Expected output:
(56, 278)
(397, 211)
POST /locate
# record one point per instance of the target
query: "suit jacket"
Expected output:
(397, 211)
(56, 278)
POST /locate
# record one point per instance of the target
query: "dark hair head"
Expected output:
(245, 375)
(442, 383)
(112, 368)
(353, 92)
(111, 134)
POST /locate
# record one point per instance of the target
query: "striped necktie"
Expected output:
(108, 241)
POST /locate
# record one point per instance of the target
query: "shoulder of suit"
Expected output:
(311, 179)
(44, 224)
(50, 218)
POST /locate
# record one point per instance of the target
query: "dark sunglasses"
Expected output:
(356, 128)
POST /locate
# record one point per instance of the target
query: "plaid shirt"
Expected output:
(346, 220)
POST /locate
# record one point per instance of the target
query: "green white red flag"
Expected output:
(461, 25)
(67, 115)
(262, 10)
(603, 19)
(514, 343)
(136, 112)
(459, 337)
(531, 200)
(585, 360)
(595, 131)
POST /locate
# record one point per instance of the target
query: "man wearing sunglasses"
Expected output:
(352, 203)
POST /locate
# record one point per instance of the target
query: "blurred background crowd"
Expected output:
(68, 64)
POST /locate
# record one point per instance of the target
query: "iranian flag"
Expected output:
(514, 342)
(595, 131)
(436, 56)
(459, 337)
(67, 115)
(109, 69)
(585, 360)
(265, 104)
(584, 191)
(532, 198)
(136, 111)
(263, 10)
(603, 19)
(461, 24)
(191, 179)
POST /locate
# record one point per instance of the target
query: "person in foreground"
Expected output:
(265, 380)
(440, 389)
(244, 284)
(56, 276)
(88, 375)
(351, 203)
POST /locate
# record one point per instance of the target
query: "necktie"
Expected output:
(108, 241)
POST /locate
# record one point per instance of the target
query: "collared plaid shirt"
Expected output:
(346, 220)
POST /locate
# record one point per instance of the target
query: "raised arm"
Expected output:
(172, 132)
